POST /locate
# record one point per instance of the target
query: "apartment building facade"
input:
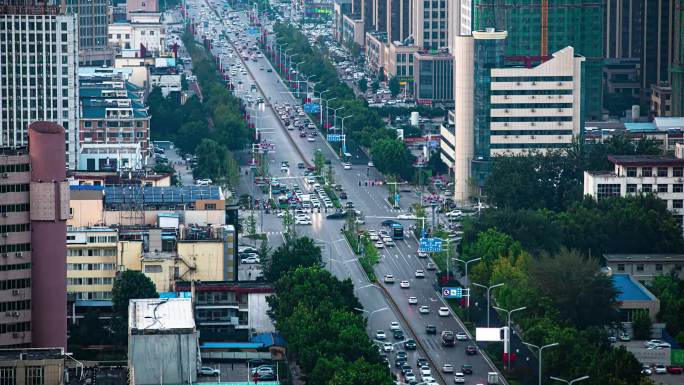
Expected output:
(91, 262)
(93, 20)
(39, 64)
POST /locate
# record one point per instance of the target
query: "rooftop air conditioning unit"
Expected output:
(19, 254)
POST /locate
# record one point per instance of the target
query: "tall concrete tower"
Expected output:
(49, 194)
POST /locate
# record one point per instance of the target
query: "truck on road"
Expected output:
(492, 378)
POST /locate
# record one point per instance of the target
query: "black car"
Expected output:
(467, 369)
(401, 354)
(343, 195)
(301, 165)
(399, 362)
(471, 350)
(398, 335)
(350, 205)
(337, 215)
(420, 362)
(269, 70)
(410, 344)
(430, 329)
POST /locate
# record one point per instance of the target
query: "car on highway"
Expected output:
(379, 244)
(398, 335)
(409, 376)
(406, 216)
(302, 221)
(251, 260)
(343, 195)
(431, 266)
(412, 300)
(471, 350)
(311, 138)
(424, 309)
(399, 362)
(461, 336)
(410, 344)
(405, 284)
(346, 165)
(394, 325)
(370, 164)
(430, 329)
(422, 254)
(443, 311)
(387, 347)
(467, 369)
(425, 371)
(389, 278)
(388, 241)
(401, 354)
(208, 371)
(447, 368)
(337, 215)
(380, 335)
(420, 362)
(420, 273)
(459, 378)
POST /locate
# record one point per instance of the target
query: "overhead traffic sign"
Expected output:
(335, 138)
(452, 292)
(430, 245)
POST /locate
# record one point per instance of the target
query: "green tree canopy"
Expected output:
(297, 252)
(131, 284)
(214, 161)
(392, 157)
(394, 86)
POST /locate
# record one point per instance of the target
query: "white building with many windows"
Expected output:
(38, 74)
(641, 174)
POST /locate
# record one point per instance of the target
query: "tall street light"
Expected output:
(466, 263)
(508, 323)
(327, 102)
(489, 288)
(540, 349)
(578, 379)
(344, 138)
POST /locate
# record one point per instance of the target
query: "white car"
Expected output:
(447, 368)
(420, 273)
(387, 347)
(422, 254)
(461, 336)
(373, 236)
(370, 164)
(443, 311)
(303, 221)
(459, 378)
(394, 325)
(207, 371)
(406, 216)
(425, 372)
(405, 284)
(379, 244)
(424, 309)
(389, 278)
(380, 335)
(657, 344)
(660, 369)
(251, 260)
(302, 217)
(346, 165)
(413, 300)
(454, 214)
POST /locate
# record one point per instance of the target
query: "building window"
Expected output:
(153, 269)
(662, 188)
(608, 190)
(677, 204)
(8, 376)
(621, 267)
(677, 188)
(647, 188)
(677, 171)
(631, 171)
(631, 189)
(34, 375)
(646, 171)
(640, 267)
(662, 171)
(659, 267)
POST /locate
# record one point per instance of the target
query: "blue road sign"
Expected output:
(334, 138)
(452, 292)
(252, 30)
(312, 108)
(430, 245)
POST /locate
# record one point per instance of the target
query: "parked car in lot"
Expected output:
(660, 369)
(674, 369)
(251, 260)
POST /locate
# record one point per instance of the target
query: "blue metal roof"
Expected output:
(640, 127)
(173, 294)
(86, 187)
(269, 339)
(231, 345)
(630, 290)
(93, 303)
(153, 195)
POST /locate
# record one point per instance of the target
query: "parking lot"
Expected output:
(230, 372)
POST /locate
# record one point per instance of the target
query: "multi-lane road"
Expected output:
(382, 306)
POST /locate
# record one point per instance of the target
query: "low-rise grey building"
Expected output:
(645, 267)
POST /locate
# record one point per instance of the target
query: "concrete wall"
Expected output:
(86, 212)
(167, 358)
(130, 254)
(258, 319)
(198, 217)
(207, 257)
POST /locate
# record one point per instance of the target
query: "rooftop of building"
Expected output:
(31, 354)
(114, 177)
(644, 257)
(240, 287)
(645, 160)
(160, 315)
(630, 289)
(92, 112)
(434, 53)
(91, 229)
(150, 195)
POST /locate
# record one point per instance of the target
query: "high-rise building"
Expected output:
(430, 24)
(503, 108)
(678, 60)
(93, 20)
(398, 20)
(133, 6)
(576, 23)
(34, 202)
(38, 73)
(642, 30)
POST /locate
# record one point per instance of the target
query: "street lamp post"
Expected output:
(466, 263)
(508, 323)
(335, 114)
(540, 349)
(320, 100)
(327, 102)
(344, 138)
(578, 379)
(489, 288)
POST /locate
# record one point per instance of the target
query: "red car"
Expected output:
(672, 369)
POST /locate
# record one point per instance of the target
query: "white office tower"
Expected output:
(38, 73)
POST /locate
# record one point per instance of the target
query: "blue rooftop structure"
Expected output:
(86, 187)
(231, 345)
(269, 339)
(640, 127)
(173, 294)
(153, 195)
(630, 289)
